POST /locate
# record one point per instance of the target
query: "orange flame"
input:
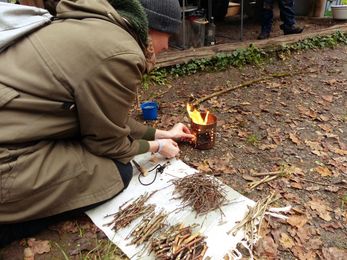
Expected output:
(196, 117)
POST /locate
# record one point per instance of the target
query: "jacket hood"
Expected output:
(129, 15)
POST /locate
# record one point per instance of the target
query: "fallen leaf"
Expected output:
(314, 145)
(328, 98)
(267, 146)
(39, 246)
(323, 171)
(297, 220)
(325, 127)
(331, 226)
(330, 82)
(303, 233)
(204, 167)
(307, 112)
(315, 243)
(294, 138)
(312, 188)
(334, 253)
(340, 151)
(321, 208)
(266, 247)
(286, 241)
(301, 253)
(296, 185)
(323, 118)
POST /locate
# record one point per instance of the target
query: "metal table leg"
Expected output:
(241, 27)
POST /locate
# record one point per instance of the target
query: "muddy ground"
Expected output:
(296, 125)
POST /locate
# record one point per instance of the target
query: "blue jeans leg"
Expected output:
(287, 13)
(267, 16)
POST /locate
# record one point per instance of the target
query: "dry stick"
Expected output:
(322, 183)
(265, 173)
(248, 222)
(245, 84)
(130, 211)
(266, 179)
(201, 192)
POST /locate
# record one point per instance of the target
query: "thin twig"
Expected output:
(245, 84)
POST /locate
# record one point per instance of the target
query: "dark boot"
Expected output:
(293, 29)
(263, 35)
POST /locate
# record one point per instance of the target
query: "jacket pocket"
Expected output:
(6, 95)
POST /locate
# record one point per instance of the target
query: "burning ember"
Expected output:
(203, 126)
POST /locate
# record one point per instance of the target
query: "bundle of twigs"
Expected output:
(202, 192)
(127, 214)
(253, 219)
(149, 225)
(179, 242)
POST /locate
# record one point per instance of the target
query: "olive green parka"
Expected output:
(65, 95)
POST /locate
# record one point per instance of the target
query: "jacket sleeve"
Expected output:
(140, 131)
(103, 101)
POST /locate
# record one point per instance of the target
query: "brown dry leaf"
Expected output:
(323, 118)
(328, 98)
(339, 151)
(286, 241)
(303, 233)
(320, 206)
(307, 112)
(323, 171)
(302, 254)
(294, 138)
(204, 167)
(297, 220)
(326, 127)
(67, 226)
(220, 165)
(275, 135)
(315, 243)
(266, 247)
(267, 146)
(331, 226)
(334, 253)
(330, 82)
(296, 185)
(39, 246)
(314, 145)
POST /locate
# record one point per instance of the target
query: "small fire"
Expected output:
(196, 117)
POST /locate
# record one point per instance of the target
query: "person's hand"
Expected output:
(180, 132)
(167, 148)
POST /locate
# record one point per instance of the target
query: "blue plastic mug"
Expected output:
(149, 110)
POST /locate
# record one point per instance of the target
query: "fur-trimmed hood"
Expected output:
(128, 14)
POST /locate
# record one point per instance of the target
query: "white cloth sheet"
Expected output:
(213, 225)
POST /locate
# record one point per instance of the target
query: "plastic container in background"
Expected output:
(339, 12)
(149, 110)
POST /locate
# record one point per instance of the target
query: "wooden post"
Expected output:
(319, 8)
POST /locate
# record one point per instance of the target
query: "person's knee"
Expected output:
(125, 171)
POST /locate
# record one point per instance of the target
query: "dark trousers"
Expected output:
(286, 12)
(12, 232)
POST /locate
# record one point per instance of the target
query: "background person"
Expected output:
(287, 16)
(66, 139)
